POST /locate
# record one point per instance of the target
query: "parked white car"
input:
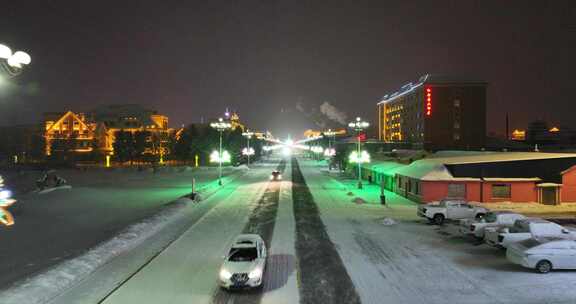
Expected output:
(451, 209)
(525, 229)
(543, 254)
(499, 219)
(245, 263)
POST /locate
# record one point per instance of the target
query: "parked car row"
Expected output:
(530, 242)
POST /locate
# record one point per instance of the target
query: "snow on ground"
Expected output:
(282, 256)
(187, 270)
(412, 262)
(564, 210)
(60, 225)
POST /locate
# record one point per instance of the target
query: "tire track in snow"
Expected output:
(262, 221)
(323, 277)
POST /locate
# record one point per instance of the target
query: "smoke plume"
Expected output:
(333, 113)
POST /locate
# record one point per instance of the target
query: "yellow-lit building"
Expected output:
(97, 129)
(519, 135)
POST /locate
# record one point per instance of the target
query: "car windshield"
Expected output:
(490, 218)
(530, 243)
(519, 228)
(242, 254)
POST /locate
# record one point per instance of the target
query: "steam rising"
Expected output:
(333, 113)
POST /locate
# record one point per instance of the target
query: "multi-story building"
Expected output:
(435, 113)
(97, 129)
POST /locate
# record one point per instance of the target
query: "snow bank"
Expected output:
(388, 221)
(48, 190)
(49, 284)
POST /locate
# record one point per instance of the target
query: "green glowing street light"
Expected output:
(221, 126)
(249, 151)
(359, 125)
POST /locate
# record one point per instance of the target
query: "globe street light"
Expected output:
(221, 126)
(12, 62)
(359, 125)
(249, 151)
(331, 135)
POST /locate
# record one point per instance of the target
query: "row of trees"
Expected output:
(141, 146)
(201, 140)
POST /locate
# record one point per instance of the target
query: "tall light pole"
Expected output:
(331, 135)
(248, 136)
(359, 125)
(221, 126)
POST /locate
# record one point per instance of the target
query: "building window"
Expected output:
(457, 190)
(501, 191)
(456, 136)
(457, 103)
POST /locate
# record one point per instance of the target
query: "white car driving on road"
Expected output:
(543, 254)
(245, 263)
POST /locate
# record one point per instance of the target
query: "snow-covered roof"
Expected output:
(434, 167)
(489, 157)
(512, 179)
(568, 170)
(430, 79)
(430, 171)
(546, 185)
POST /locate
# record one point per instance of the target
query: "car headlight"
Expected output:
(256, 273)
(225, 274)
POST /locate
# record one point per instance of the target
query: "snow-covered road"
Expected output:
(60, 225)
(186, 271)
(326, 245)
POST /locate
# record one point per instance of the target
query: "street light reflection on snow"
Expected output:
(364, 157)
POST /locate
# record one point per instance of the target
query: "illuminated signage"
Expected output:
(428, 101)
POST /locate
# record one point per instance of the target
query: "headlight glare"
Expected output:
(225, 274)
(256, 273)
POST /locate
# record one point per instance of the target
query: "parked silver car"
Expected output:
(543, 254)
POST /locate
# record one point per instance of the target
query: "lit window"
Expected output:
(456, 136)
(457, 103)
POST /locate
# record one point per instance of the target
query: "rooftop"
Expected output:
(430, 79)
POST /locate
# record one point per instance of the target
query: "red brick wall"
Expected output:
(520, 192)
(437, 190)
(568, 192)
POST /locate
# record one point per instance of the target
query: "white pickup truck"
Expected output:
(525, 229)
(450, 209)
(496, 219)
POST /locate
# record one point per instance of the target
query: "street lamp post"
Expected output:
(331, 135)
(221, 126)
(248, 136)
(12, 62)
(359, 125)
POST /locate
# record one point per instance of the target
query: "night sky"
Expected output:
(192, 59)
